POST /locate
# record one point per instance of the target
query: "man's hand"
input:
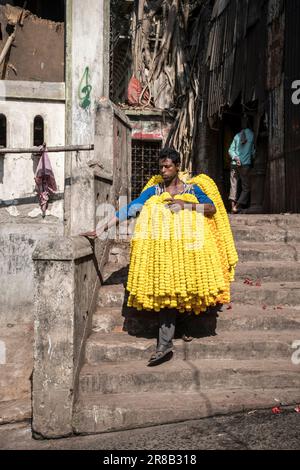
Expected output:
(92, 234)
(238, 161)
(95, 233)
(175, 205)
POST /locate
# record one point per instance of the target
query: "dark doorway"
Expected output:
(232, 124)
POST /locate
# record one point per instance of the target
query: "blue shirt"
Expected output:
(244, 151)
(136, 205)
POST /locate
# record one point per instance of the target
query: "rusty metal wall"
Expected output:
(275, 200)
(236, 53)
(38, 53)
(292, 111)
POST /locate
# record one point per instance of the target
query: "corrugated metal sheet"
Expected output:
(219, 7)
(275, 10)
(235, 57)
(275, 53)
(277, 186)
(292, 111)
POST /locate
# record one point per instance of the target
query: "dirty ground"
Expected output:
(255, 430)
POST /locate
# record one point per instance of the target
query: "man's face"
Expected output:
(168, 169)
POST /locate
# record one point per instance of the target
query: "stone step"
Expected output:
(111, 295)
(254, 270)
(198, 375)
(16, 411)
(105, 319)
(119, 253)
(244, 345)
(267, 271)
(266, 234)
(267, 251)
(108, 319)
(114, 273)
(269, 293)
(275, 220)
(96, 413)
(257, 317)
(232, 318)
(16, 361)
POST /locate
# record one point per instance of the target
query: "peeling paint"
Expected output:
(56, 210)
(13, 211)
(50, 347)
(35, 213)
(2, 353)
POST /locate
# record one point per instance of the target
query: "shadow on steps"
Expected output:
(145, 324)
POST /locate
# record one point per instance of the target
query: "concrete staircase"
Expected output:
(240, 359)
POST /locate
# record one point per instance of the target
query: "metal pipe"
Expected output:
(65, 148)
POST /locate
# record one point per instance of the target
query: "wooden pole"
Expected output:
(66, 148)
(12, 37)
(6, 48)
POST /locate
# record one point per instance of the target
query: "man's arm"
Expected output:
(232, 151)
(136, 205)
(123, 214)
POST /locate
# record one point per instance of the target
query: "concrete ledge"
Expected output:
(62, 249)
(33, 91)
(66, 276)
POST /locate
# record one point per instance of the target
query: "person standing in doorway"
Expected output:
(242, 152)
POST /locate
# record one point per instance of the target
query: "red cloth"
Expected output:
(45, 180)
(134, 92)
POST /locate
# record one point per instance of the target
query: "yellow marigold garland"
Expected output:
(169, 266)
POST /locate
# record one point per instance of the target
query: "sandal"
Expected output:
(158, 356)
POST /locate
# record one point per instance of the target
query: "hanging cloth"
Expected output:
(45, 180)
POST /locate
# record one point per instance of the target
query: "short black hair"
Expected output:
(168, 152)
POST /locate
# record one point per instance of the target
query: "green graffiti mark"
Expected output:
(85, 90)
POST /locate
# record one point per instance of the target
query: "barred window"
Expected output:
(145, 164)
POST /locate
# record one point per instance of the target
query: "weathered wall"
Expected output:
(17, 243)
(20, 215)
(113, 148)
(149, 124)
(21, 102)
(87, 78)
(107, 172)
(29, 58)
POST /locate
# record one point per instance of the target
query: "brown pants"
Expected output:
(242, 173)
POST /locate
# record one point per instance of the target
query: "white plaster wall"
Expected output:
(88, 42)
(18, 179)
